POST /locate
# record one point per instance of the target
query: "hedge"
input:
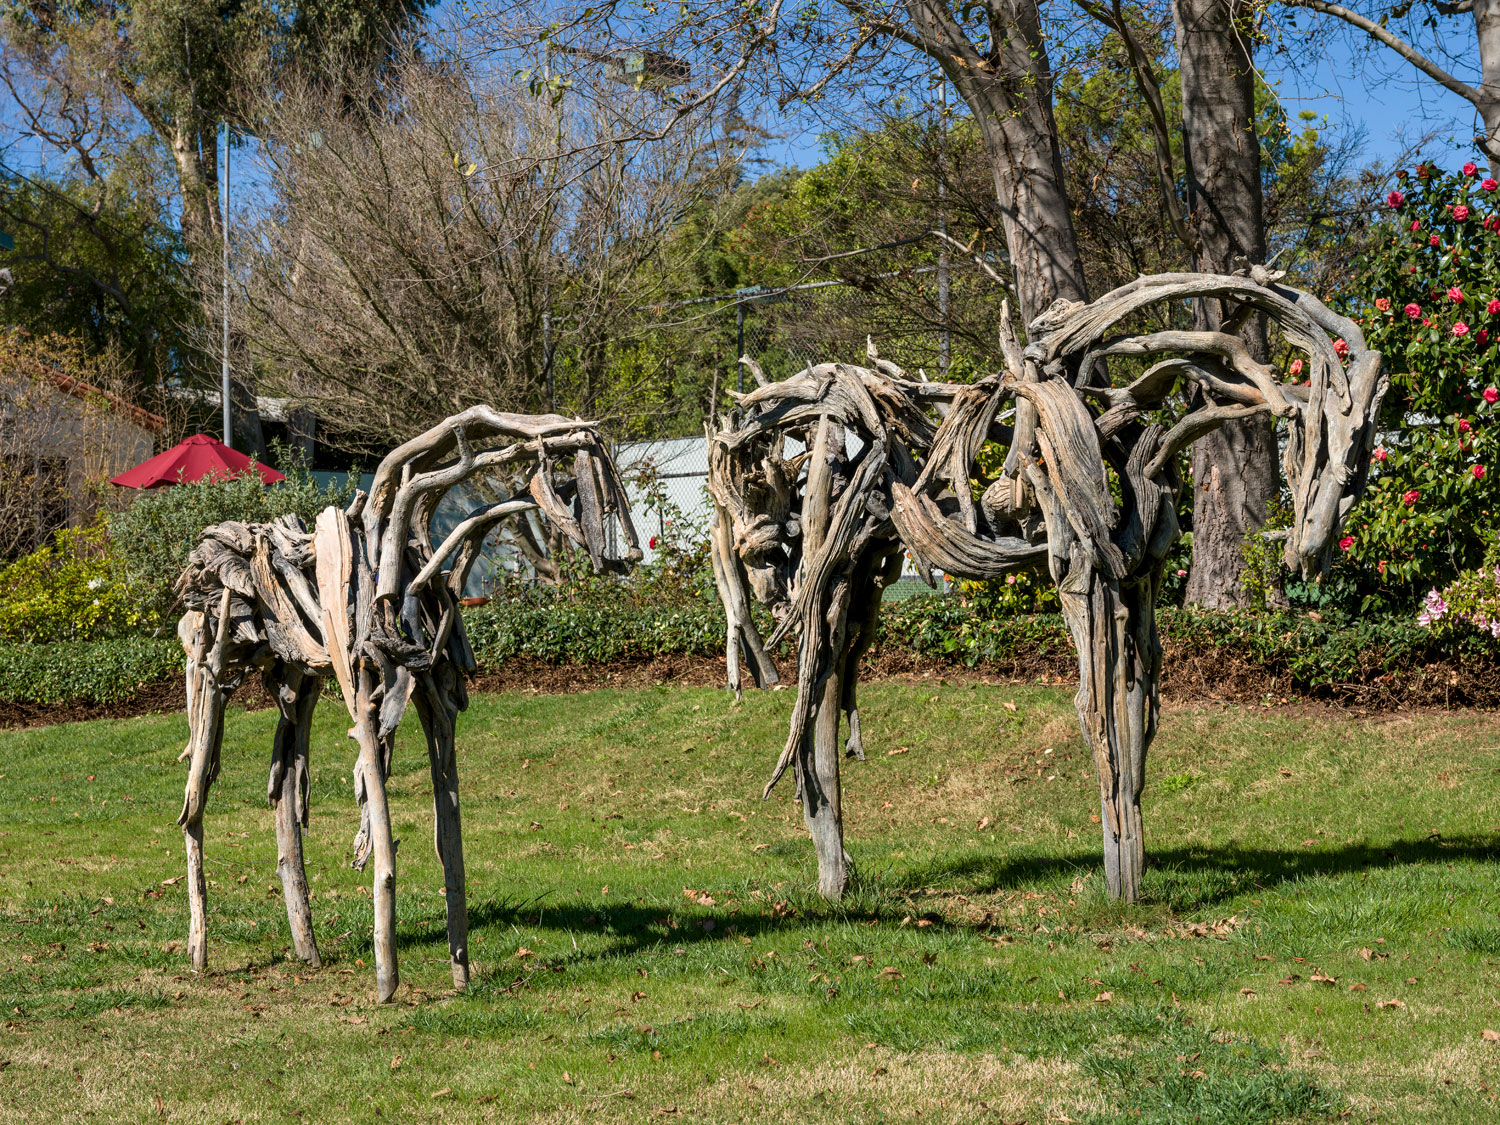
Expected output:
(86, 671)
(1304, 652)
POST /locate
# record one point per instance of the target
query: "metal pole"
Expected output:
(945, 340)
(739, 346)
(224, 227)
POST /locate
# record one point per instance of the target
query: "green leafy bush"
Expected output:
(153, 537)
(107, 671)
(74, 589)
(1429, 299)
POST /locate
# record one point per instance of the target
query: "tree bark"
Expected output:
(1487, 27)
(1008, 88)
(1234, 469)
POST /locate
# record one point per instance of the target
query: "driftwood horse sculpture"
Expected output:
(1089, 489)
(365, 597)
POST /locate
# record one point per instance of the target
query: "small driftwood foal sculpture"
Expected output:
(1089, 488)
(366, 597)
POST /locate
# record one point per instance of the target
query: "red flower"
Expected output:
(1434, 240)
(1471, 169)
(1381, 454)
(1478, 471)
(1341, 349)
(1493, 307)
(1460, 329)
(651, 542)
(1491, 395)
(1463, 426)
(1483, 335)
(1296, 367)
(1413, 310)
(1460, 213)
(1455, 293)
(1346, 542)
(1416, 224)
(1395, 199)
(1383, 304)
(1411, 497)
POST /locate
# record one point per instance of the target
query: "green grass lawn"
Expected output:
(1319, 937)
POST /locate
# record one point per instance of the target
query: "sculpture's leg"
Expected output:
(817, 760)
(376, 840)
(296, 695)
(867, 615)
(205, 738)
(1119, 664)
(437, 707)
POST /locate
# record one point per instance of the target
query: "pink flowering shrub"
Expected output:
(1428, 296)
(1470, 600)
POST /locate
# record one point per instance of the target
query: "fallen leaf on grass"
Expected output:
(1359, 988)
(1490, 1036)
(1319, 978)
(1104, 998)
(172, 882)
(1008, 705)
(1248, 992)
(523, 952)
(702, 898)
(1391, 1004)
(897, 750)
(396, 1063)
(443, 1093)
(567, 1079)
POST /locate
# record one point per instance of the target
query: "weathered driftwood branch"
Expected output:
(364, 598)
(1089, 488)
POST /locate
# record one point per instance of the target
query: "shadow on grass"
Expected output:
(1211, 874)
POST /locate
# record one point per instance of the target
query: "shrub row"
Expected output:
(1303, 652)
(67, 672)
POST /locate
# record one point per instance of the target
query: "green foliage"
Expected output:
(73, 590)
(154, 536)
(105, 671)
(1429, 299)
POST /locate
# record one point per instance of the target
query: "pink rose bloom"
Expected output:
(1493, 307)
(1381, 454)
(1491, 395)
(1416, 224)
(1460, 213)
(1463, 426)
(1490, 184)
(1455, 293)
(1434, 240)
(1411, 497)
(1413, 310)
(1340, 348)
(1383, 304)
(1426, 322)
(1296, 367)
(1346, 542)
(1395, 199)
(1471, 169)
(1460, 329)
(1483, 335)
(1182, 574)
(1478, 471)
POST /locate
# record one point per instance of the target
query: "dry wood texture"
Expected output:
(365, 597)
(821, 482)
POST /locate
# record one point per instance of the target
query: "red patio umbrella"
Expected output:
(198, 457)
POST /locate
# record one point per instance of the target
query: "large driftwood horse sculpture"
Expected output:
(365, 597)
(1089, 489)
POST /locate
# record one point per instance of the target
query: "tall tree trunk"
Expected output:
(1008, 88)
(1487, 26)
(1235, 475)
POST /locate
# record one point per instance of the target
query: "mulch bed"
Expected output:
(1189, 676)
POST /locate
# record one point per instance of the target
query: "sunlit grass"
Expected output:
(1320, 932)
